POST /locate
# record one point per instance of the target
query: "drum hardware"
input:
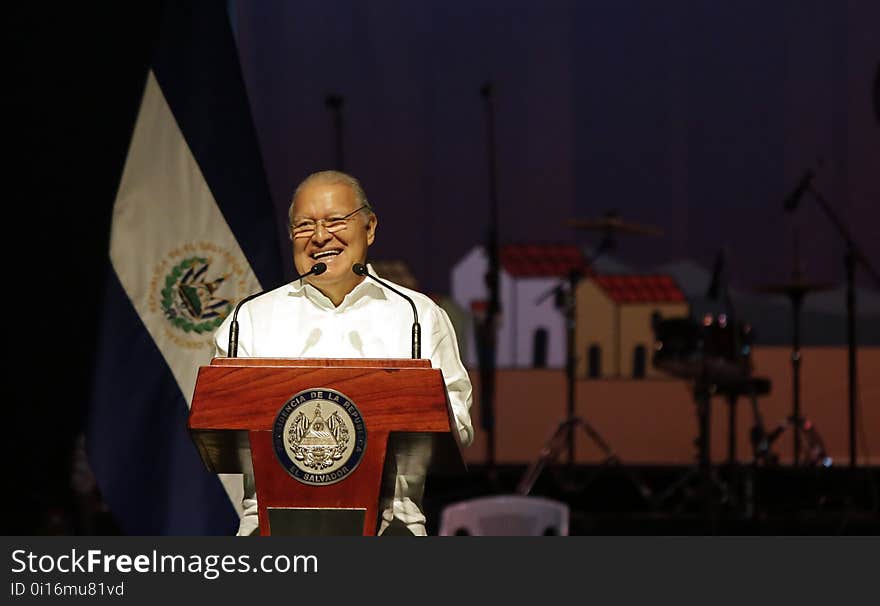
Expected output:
(852, 259)
(758, 438)
(559, 440)
(611, 224)
(760, 441)
(795, 290)
(714, 348)
(714, 354)
(564, 295)
(710, 489)
(816, 454)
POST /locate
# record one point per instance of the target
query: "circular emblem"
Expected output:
(195, 287)
(319, 436)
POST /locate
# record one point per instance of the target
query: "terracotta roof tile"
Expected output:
(541, 260)
(640, 289)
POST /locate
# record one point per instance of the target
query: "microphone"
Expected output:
(361, 270)
(232, 349)
(794, 198)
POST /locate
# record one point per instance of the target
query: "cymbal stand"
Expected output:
(564, 294)
(795, 291)
(563, 436)
(559, 440)
(797, 300)
(796, 296)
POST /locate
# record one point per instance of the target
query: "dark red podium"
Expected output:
(234, 420)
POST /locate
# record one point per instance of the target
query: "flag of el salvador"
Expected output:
(193, 231)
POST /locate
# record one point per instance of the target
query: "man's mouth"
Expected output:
(325, 255)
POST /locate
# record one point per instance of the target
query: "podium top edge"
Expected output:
(324, 362)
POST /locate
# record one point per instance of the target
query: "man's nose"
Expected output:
(321, 234)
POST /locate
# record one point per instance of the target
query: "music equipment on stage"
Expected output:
(714, 354)
(853, 258)
(563, 436)
(612, 223)
(795, 290)
(713, 349)
(814, 453)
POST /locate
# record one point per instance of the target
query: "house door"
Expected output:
(639, 356)
(594, 361)
(539, 348)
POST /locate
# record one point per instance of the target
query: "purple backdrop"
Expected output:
(697, 117)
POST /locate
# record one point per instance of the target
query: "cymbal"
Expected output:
(794, 287)
(613, 223)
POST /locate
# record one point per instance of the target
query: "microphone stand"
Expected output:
(232, 347)
(334, 103)
(361, 270)
(486, 330)
(852, 257)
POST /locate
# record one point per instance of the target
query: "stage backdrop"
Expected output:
(694, 116)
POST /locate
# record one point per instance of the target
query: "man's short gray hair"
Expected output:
(331, 177)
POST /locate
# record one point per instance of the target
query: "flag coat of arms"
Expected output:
(193, 232)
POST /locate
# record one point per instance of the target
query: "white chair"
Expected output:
(505, 515)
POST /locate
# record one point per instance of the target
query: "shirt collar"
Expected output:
(366, 288)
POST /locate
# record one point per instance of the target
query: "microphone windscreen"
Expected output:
(359, 268)
(318, 269)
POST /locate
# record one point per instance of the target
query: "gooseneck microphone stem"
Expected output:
(232, 347)
(361, 270)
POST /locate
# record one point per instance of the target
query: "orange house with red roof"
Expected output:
(614, 336)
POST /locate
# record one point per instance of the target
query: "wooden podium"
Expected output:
(234, 422)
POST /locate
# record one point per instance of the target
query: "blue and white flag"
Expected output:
(193, 231)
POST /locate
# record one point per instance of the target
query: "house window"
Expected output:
(539, 348)
(594, 361)
(639, 362)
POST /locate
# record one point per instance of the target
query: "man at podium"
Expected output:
(341, 314)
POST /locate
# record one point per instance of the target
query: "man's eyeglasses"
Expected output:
(305, 228)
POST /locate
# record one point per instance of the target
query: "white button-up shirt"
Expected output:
(299, 321)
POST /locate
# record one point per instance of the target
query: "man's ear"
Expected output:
(371, 228)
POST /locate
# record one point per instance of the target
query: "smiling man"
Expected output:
(339, 314)
(331, 221)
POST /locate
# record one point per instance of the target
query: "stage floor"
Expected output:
(668, 500)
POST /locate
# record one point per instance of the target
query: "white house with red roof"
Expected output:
(532, 330)
(614, 334)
